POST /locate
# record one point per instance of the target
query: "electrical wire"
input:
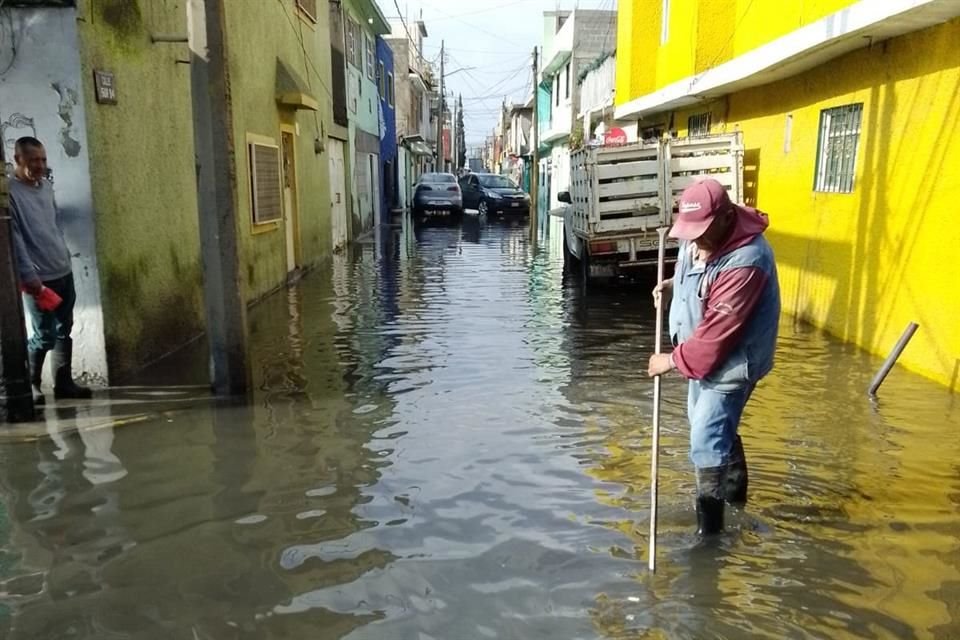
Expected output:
(403, 21)
(303, 48)
(486, 10)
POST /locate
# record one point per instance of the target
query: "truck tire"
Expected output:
(585, 266)
(568, 259)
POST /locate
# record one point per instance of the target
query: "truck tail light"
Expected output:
(601, 248)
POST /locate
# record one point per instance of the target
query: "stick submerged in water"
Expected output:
(655, 457)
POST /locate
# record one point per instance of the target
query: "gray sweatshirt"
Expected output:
(41, 249)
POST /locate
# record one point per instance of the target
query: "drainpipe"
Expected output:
(223, 279)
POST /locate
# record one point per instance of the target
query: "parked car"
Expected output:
(490, 193)
(437, 195)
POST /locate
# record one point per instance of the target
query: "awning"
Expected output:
(416, 145)
(292, 91)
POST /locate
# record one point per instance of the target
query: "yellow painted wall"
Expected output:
(638, 38)
(702, 35)
(258, 36)
(862, 265)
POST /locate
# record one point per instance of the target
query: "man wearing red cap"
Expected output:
(723, 326)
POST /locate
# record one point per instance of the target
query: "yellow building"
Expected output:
(850, 114)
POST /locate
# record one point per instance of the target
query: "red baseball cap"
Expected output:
(699, 204)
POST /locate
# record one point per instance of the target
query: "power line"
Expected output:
(405, 28)
(610, 26)
(498, 36)
(303, 47)
(489, 51)
(486, 10)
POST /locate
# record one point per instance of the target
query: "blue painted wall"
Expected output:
(388, 132)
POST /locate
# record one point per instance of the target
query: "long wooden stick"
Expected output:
(655, 457)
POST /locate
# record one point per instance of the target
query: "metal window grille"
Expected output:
(390, 89)
(351, 43)
(265, 183)
(371, 58)
(309, 8)
(698, 125)
(837, 147)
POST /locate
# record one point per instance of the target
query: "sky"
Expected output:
(492, 41)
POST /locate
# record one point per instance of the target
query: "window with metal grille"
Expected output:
(309, 8)
(265, 183)
(566, 77)
(354, 54)
(390, 89)
(837, 148)
(698, 125)
(371, 58)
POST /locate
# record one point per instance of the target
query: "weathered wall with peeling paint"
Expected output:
(144, 178)
(41, 95)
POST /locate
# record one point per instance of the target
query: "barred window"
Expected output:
(371, 58)
(698, 125)
(265, 183)
(837, 148)
(352, 44)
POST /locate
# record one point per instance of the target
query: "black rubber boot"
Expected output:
(709, 501)
(64, 387)
(735, 476)
(36, 359)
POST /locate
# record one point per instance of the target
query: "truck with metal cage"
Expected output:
(619, 196)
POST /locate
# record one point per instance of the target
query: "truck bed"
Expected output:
(630, 190)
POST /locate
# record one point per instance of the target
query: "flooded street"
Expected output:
(448, 441)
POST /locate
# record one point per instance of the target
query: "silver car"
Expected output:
(437, 195)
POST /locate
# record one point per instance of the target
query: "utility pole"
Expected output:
(440, 163)
(219, 222)
(453, 138)
(535, 153)
(16, 401)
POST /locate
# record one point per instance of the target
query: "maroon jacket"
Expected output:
(727, 304)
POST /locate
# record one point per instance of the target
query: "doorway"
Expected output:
(338, 200)
(291, 216)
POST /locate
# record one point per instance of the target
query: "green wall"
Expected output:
(143, 174)
(258, 34)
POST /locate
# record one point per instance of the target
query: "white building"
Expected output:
(572, 41)
(416, 126)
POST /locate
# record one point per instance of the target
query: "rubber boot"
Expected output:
(36, 359)
(63, 385)
(735, 476)
(709, 501)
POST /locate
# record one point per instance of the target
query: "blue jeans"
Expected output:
(714, 418)
(51, 326)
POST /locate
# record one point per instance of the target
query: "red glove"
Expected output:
(47, 299)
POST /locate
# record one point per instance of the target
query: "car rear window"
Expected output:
(438, 177)
(492, 181)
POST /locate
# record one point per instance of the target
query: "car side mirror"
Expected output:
(564, 197)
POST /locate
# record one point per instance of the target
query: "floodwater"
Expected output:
(449, 442)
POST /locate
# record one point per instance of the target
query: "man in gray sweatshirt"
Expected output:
(43, 260)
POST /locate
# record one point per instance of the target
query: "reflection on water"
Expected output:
(449, 441)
